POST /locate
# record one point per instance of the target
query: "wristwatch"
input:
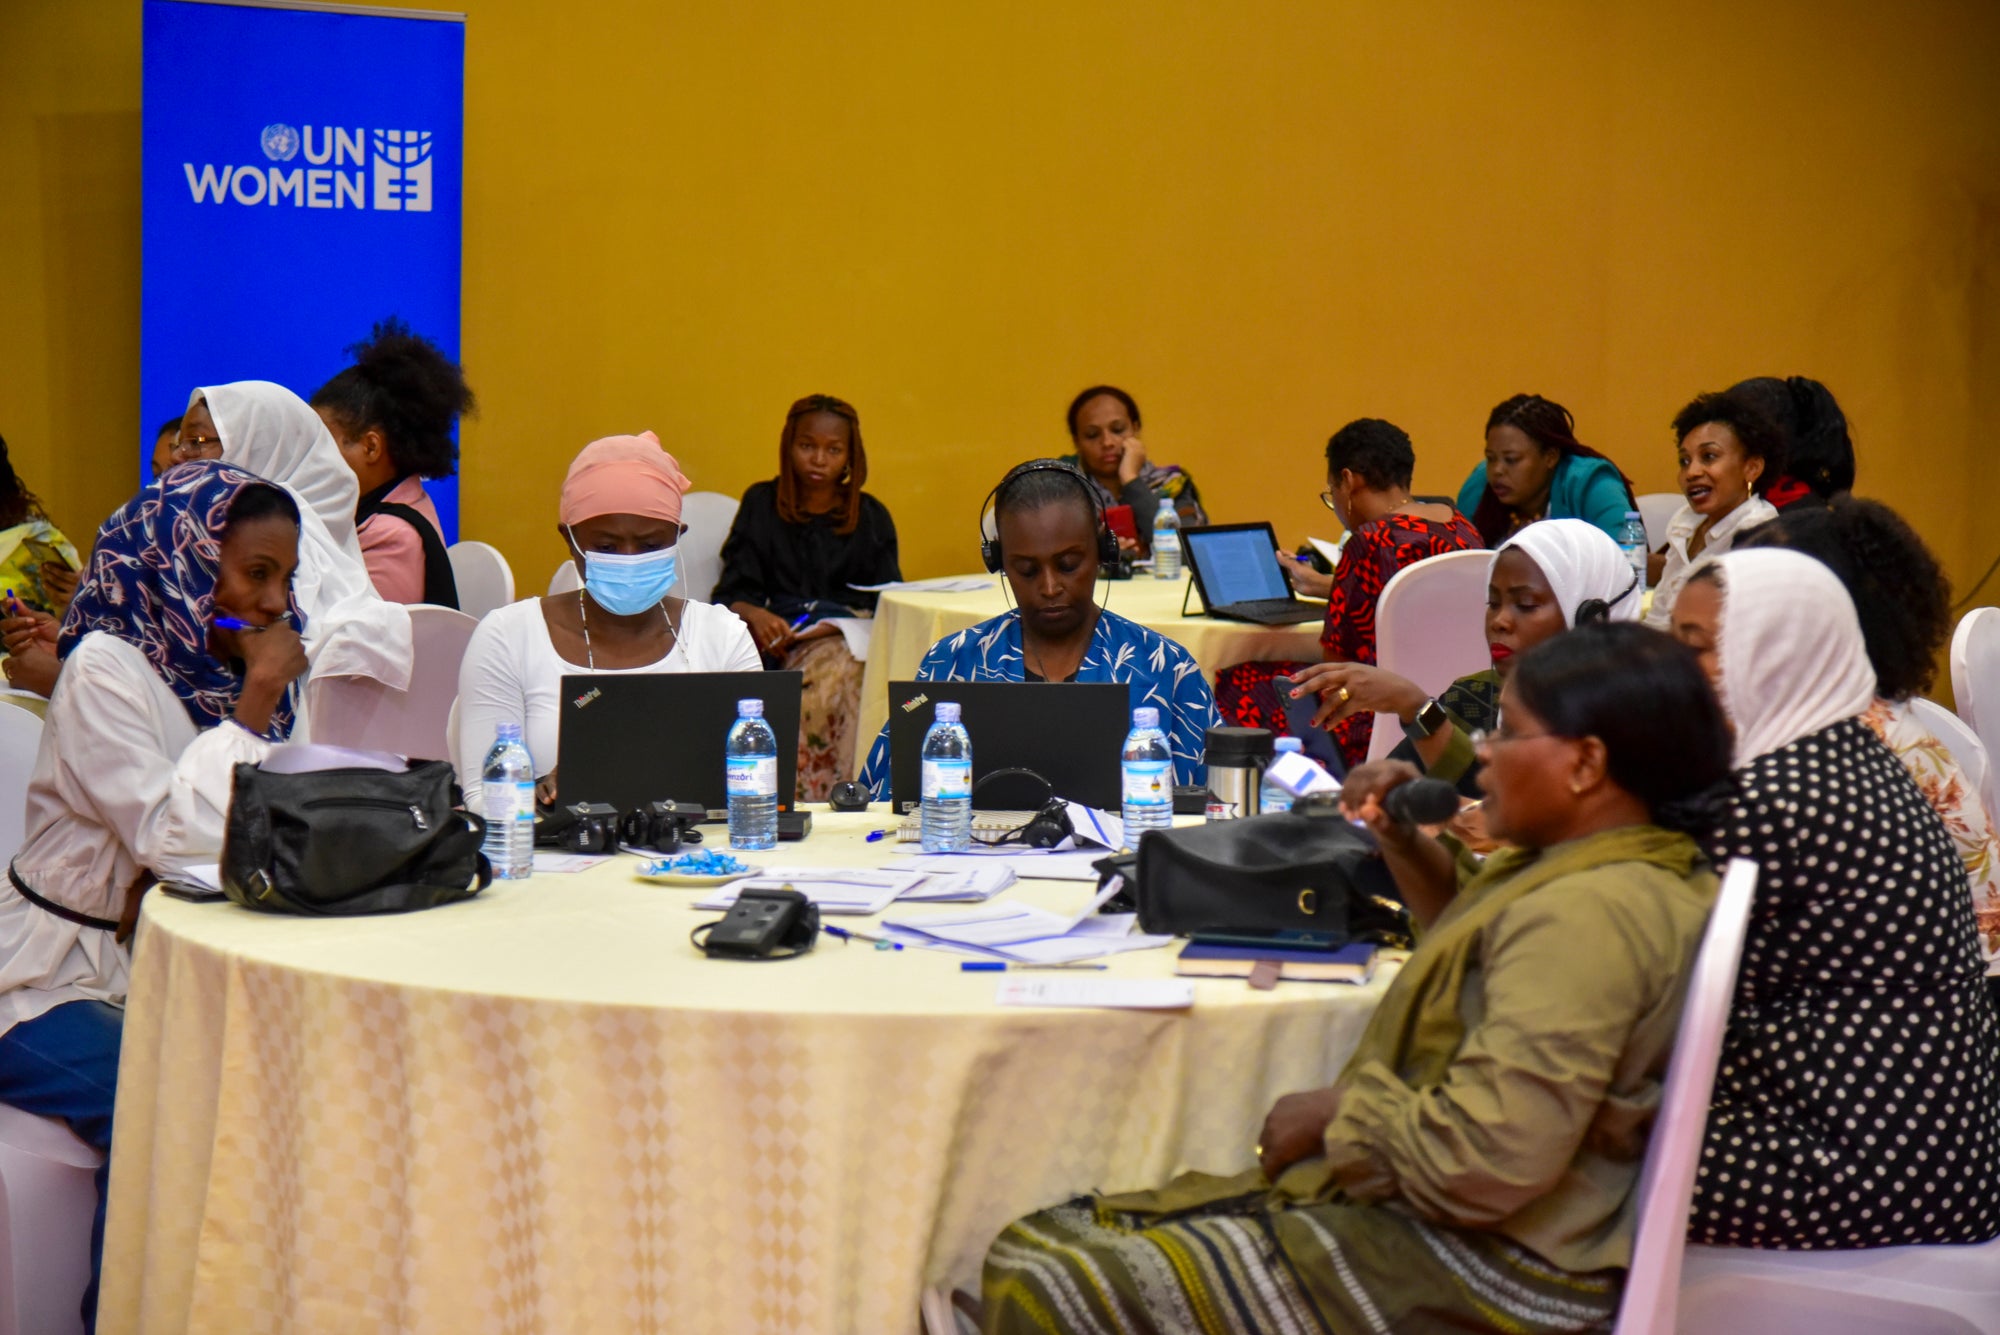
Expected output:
(1428, 719)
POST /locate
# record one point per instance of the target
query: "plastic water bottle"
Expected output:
(507, 792)
(1273, 799)
(1632, 541)
(946, 818)
(1166, 542)
(1148, 767)
(752, 759)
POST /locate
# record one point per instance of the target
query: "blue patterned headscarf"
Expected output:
(151, 582)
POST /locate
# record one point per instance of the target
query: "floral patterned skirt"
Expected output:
(827, 714)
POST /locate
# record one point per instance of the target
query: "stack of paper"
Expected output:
(943, 584)
(1145, 994)
(835, 891)
(1026, 934)
(949, 881)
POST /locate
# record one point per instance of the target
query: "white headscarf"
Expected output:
(1580, 562)
(1793, 660)
(272, 432)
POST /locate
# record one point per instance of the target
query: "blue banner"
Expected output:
(302, 181)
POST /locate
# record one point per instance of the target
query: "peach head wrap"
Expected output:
(623, 475)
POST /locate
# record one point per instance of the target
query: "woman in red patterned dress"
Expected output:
(1368, 468)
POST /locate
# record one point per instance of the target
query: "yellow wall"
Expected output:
(1263, 219)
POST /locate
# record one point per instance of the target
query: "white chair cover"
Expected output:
(1666, 1183)
(1430, 626)
(484, 579)
(362, 713)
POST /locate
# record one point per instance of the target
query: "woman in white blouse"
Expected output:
(1729, 453)
(621, 517)
(181, 658)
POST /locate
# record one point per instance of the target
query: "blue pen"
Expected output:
(803, 618)
(849, 934)
(873, 835)
(1002, 966)
(235, 623)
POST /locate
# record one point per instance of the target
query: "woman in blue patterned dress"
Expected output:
(1047, 530)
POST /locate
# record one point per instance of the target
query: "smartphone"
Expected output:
(1119, 519)
(46, 553)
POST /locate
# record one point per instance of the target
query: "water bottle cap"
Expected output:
(1145, 716)
(507, 732)
(1289, 744)
(749, 709)
(1634, 514)
(947, 711)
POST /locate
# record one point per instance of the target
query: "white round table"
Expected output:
(543, 1109)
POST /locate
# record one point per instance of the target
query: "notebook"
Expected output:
(1236, 573)
(1352, 963)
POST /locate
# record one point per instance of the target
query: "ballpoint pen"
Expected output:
(849, 934)
(803, 618)
(1004, 966)
(873, 835)
(236, 623)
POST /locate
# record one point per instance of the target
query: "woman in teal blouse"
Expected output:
(1536, 468)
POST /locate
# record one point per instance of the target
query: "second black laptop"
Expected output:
(1071, 734)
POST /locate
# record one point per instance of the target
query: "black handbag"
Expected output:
(346, 841)
(1266, 874)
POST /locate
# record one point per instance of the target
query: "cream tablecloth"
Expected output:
(909, 622)
(543, 1110)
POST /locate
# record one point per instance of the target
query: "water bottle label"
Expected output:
(1148, 782)
(753, 776)
(505, 802)
(947, 780)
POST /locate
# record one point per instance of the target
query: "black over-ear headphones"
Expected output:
(1596, 609)
(989, 548)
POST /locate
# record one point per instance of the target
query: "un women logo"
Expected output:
(281, 142)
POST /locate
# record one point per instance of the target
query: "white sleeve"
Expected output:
(724, 641)
(170, 811)
(490, 692)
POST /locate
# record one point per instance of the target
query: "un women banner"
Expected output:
(302, 181)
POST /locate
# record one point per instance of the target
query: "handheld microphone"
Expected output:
(1422, 802)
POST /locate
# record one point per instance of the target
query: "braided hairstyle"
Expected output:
(1549, 425)
(1901, 594)
(848, 512)
(1820, 453)
(402, 386)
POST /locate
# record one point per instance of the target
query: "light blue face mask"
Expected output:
(627, 585)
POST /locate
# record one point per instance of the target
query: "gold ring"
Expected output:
(1260, 1151)
(1342, 697)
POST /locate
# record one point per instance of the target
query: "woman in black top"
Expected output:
(798, 546)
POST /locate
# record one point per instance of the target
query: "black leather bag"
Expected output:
(347, 841)
(1265, 874)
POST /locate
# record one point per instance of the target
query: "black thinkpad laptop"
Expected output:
(633, 738)
(1069, 733)
(1237, 576)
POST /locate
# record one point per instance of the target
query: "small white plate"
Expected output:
(690, 878)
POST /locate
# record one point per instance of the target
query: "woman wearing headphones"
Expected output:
(1551, 576)
(1049, 539)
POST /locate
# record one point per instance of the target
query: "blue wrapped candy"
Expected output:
(701, 862)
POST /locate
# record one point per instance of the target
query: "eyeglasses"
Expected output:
(183, 450)
(1482, 738)
(1326, 499)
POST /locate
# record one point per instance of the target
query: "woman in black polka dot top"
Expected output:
(1857, 1101)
